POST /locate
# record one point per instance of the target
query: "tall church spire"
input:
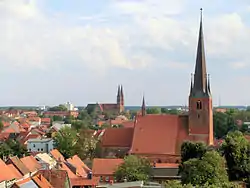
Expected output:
(143, 107)
(200, 76)
(121, 92)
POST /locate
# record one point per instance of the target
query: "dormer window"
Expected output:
(199, 105)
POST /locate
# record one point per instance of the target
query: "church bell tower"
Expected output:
(200, 98)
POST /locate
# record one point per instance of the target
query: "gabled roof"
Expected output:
(18, 164)
(13, 169)
(81, 168)
(103, 167)
(157, 134)
(31, 163)
(57, 178)
(6, 173)
(57, 155)
(41, 181)
(117, 137)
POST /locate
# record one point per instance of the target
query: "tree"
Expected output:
(57, 118)
(65, 141)
(209, 170)
(12, 147)
(223, 123)
(1, 126)
(169, 111)
(60, 107)
(153, 111)
(190, 150)
(86, 145)
(236, 149)
(133, 169)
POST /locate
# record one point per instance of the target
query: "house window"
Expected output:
(38, 149)
(107, 179)
(34, 145)
(198, 116)
(41, 149)
(199, 105)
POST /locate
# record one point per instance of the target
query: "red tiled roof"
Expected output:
(57, 178)
(4, 136)
(106, 107)
(57, 155)
(85, 182)
(45, 120)
(128, 124)
(81, 168)
(13, 169)
(166, 165)
(103, 167)
(31, 163)
(155, 134)
(41, 181)
(5, 172)
(117, 137)
(18, 165)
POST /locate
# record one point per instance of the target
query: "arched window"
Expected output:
(199, 105)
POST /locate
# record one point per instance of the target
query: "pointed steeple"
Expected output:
(200, 80)
(119, 91)
(143, 107)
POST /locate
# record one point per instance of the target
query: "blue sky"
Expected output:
(80, 50)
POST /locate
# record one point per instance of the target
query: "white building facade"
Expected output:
(42, 145)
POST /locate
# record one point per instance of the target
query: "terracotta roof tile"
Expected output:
(18, 175)
(117, 137)
(31, 163)
(85, 182)
(57, 155)
(166, 165)
(41, 181)
(57, 178)
(128, 124)
(5, 172)
(155, 134)
(103, 167)
(81, 168)
(18, 165)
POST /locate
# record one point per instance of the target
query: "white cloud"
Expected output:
(32, 39)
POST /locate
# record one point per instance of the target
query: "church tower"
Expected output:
(200, 98)
(143, 107)
(120, 99)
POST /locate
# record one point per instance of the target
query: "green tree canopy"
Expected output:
(133, 169)
(12, 147)
(65, 141)
(223, 123)
(170, 111)
(209, 170)
(60, 107)
(154, 110)
(236, 149)
(190, 150)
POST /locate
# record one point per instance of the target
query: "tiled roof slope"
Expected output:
(105, 166)
(31, 163)
(117, 137)
(18, 164)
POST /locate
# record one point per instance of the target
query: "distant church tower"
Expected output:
(143, 107)
(200, 98)
(120, 99)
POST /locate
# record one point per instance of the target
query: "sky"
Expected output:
(54, 51)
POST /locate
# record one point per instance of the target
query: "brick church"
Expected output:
(159, 137)
(117, 107)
